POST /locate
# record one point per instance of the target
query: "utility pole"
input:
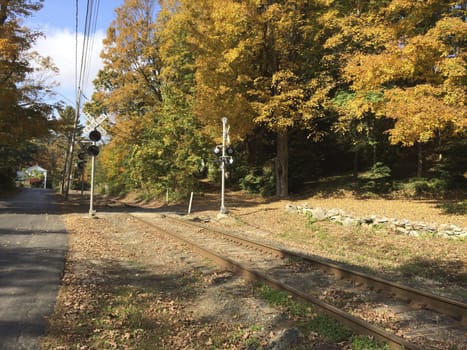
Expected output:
(69, 163)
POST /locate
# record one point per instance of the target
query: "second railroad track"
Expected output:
(401, 316)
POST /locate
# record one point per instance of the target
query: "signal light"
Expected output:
(93, 150)
(95, 135)
(82, 155)
(81, 164)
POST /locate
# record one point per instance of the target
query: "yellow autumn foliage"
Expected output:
(420, 113)
(423, 77)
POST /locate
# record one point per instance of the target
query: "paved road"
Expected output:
(33, 243)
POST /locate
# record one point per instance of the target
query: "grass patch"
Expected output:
(377, 182)
(317, 230)
(321, 324)
(293, 235)
(366, 343)
(284, 300)
(328, 328)
(250, 336)
(456, 208)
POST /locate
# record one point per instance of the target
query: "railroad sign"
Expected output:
(94, 124)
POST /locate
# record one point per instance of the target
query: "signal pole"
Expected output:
(92, 212)
(225, 156)
(223, 209)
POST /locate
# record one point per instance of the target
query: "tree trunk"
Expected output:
(374, 154)
(282, 165)
(356, 155)
(420, 160)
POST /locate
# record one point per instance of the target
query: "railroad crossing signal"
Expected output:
(93, 150)
(81, 160)
(94, 124)
(95, 135)
(225, 157)
(95, 131)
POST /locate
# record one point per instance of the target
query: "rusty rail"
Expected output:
(417, 298)
(354, 323)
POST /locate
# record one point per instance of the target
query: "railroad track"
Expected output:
(407, 318)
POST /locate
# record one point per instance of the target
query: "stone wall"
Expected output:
(401, 226)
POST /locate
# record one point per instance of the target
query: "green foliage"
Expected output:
(376, 180)
(157, 143)
(424, 187)
(24, 114)
(251, 337)
(458, 207)
(273, 296)
(378, 171)
(328, 328)
(283, 299)
(343, 98)
(259, 180)
(331, 77)
(168, 153)
(367, 343)
(452, 162)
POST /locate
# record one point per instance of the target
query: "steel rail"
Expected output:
(416, 298)
(358, 325)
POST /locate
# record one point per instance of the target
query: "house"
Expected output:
(34, 171)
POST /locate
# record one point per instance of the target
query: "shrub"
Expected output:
(259, 180)
(378, 171)
(422, 187)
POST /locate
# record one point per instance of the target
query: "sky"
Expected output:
(57, 21)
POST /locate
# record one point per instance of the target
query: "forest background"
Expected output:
(311, 89)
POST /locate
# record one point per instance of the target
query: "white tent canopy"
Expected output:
(37, 169)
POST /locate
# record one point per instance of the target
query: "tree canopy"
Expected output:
(362, 74)
(24, 113)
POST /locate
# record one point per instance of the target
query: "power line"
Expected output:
(92, 9)
(86, 54)
(93, 26)
(76, 45)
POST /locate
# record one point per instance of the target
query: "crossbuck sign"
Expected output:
(94, 124)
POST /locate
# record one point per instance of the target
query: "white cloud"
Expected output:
(60, 45)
